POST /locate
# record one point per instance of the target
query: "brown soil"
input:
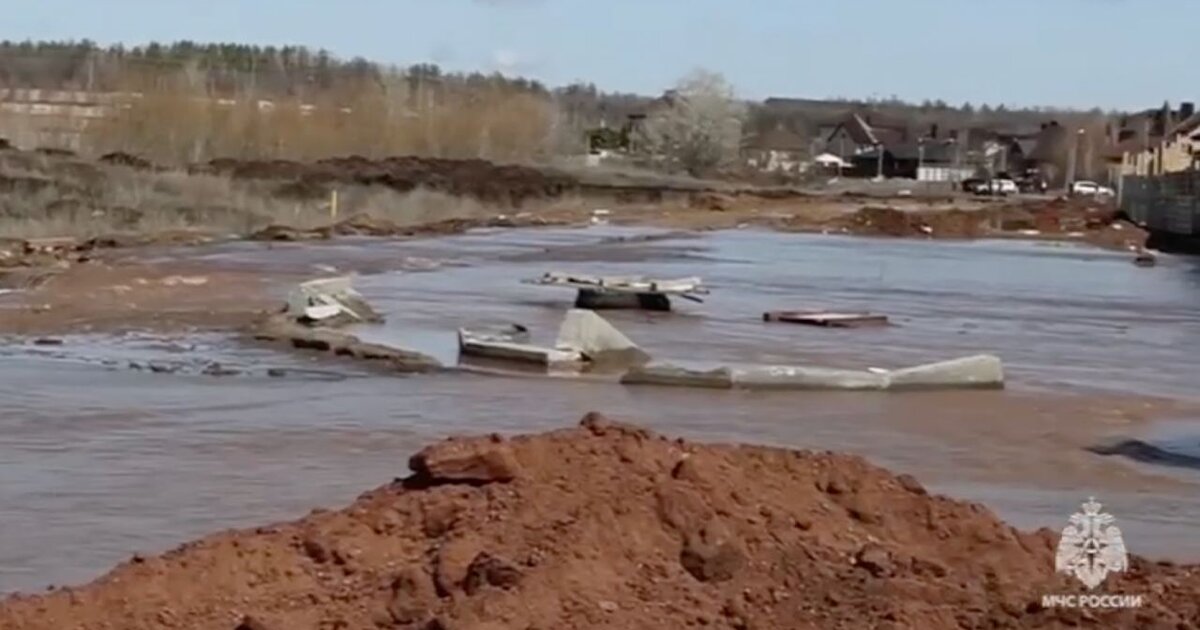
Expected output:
(1053, 219)
(506, 184)
(103, 296)
(363, 225)
(125, 159)
(611, 526)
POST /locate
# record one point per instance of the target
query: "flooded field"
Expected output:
(100, 459)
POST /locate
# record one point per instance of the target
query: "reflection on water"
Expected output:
(99, 461)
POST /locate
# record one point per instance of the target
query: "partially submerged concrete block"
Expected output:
(504, 349)
(329, 302)
(790, 377)
(675, 376)
(983, 371)
(583, 338)
(979, 371)
(597, 340)
(284, 329)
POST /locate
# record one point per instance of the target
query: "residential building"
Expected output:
(924, 159)
(1176, 150)
(776, 150)
(860, 133)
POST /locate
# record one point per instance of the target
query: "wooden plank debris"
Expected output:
(599, 292)
(827, 319)
(623, 284)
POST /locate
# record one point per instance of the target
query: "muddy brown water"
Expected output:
(99, 459)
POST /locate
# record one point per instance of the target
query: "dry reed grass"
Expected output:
(46, 196)
(178, 122)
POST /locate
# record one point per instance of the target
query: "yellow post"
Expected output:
(333, 204)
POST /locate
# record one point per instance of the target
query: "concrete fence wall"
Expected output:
(59, 119)
(1167, 203)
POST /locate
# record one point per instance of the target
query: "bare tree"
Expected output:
(698, 126)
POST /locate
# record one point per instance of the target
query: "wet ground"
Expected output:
(117, 444)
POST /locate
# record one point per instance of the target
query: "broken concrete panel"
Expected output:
(597, 340)
(980, 371)
(983, 371)
(674, 376)
(788, 377)
(498, 347)
(327, 300)
(283, 329)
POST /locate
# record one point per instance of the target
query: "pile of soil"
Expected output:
(365, 225)
(1051, 219)
(483, 180)
(121, 158)
(884, 221)
(611, 526)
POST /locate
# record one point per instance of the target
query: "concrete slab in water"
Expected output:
(980, 371)
(597, 340)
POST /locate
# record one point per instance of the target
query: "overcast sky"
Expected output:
(1081, 53)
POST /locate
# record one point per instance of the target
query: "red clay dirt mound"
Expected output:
(884, 221)
(487, 181)
(610, 526)
(1048, 218)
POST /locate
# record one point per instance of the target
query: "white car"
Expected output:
(996, 187)
(1090, 189)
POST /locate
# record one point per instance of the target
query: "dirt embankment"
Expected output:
(283, 200)
(611, 526)
(486, 181)
(1059, 218)
(364, 225)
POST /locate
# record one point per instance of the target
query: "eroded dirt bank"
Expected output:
(608, 525)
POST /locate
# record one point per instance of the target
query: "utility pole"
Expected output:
(957, 167)
(841, 152)
(879, 160)
(1088, 158)
(920, 157)
(1072, 158)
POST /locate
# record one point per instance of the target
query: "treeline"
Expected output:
(226, 70)
(199, 101)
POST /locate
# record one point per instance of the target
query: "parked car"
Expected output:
(1090, 189)
(1000, 187)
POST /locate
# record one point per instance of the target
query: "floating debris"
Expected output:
(330, 302)
(1145, 259)
(602, 292)
(827, 318)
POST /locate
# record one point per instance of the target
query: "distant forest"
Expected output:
(266, 72)
(228, 70)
